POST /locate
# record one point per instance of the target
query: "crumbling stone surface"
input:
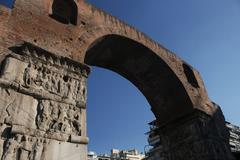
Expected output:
(196, 136)
(45, 49)
(33, 148)
(59, 117)
(17, 108)
(42, 106)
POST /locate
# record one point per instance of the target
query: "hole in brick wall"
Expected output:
(65, 11)
(190, 75)
(83, 23)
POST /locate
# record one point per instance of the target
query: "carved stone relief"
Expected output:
(16, 108)
(37, 71)
(21, 147)
(42, 109)
(59, 117)
(38, 76)
(195, 138)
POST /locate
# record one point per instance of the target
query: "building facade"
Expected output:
(117, 154)
(92, 156)
(153, 150)
(234, 139)
(126, 154)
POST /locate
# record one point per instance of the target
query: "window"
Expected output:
(65, 11)
(190, 75)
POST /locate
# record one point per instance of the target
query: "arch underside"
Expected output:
(146, 70)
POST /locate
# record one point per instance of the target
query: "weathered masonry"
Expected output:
(43, 105)
(46, 48)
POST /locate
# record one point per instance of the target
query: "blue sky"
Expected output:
(204, 33)
(6, 2)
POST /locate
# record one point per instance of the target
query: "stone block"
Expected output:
(35, 148)
(65, 151)
(14, 70)
(79, 139)
(16, 108)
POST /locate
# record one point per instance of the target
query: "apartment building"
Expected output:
(117, 154)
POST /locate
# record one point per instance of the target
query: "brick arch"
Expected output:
(147, 71)
(184, 96)
(98, 24)
(74, 41)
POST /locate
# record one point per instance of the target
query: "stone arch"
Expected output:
(106, 25)
(65, 11)
(147, 71)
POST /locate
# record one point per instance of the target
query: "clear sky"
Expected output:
(205, 33)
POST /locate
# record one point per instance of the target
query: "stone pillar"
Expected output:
(196, 136)
(43, 106)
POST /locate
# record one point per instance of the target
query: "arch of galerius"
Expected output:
(46, 48)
